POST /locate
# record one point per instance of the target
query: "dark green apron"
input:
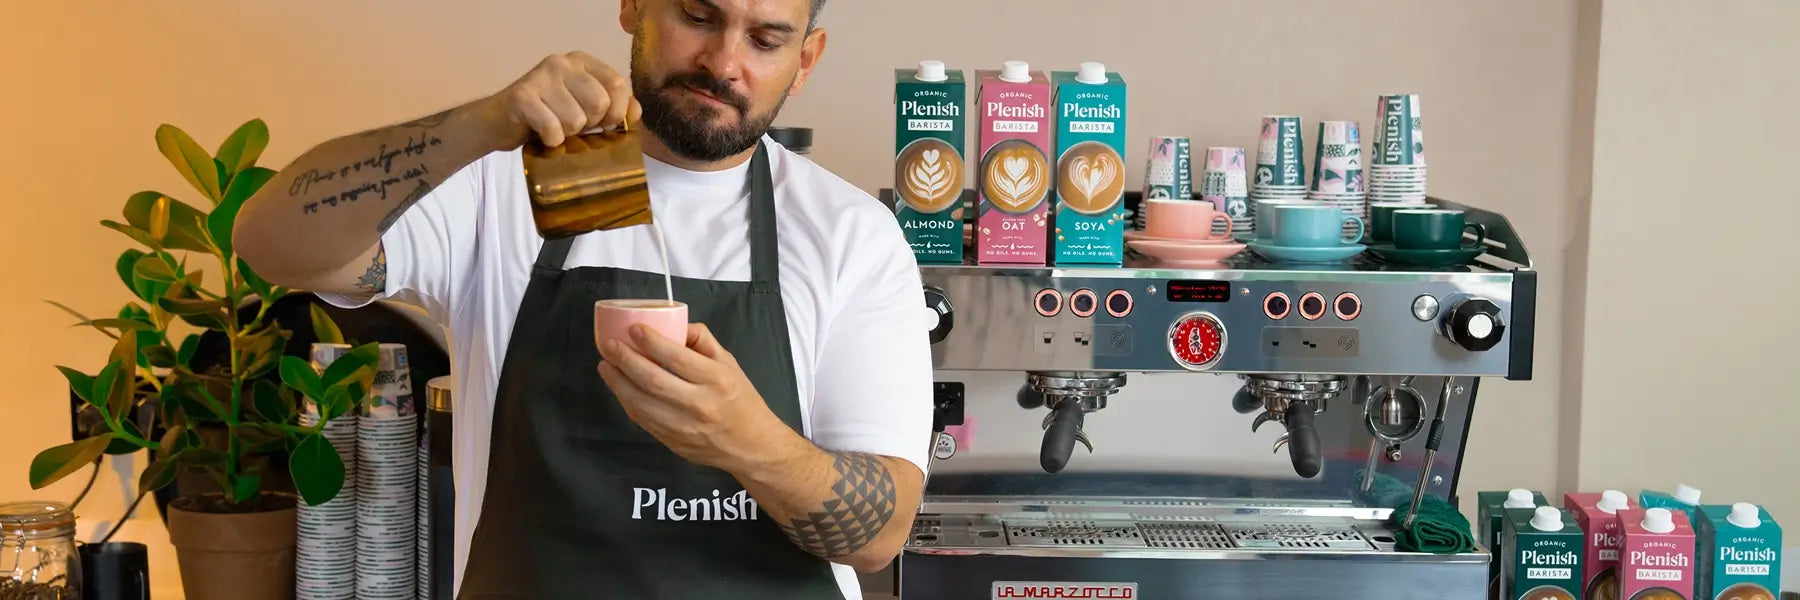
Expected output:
(583, 503)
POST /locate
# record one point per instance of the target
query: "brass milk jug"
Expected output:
(593, 181)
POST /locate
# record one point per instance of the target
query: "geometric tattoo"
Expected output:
(861, 508)
(374, 280)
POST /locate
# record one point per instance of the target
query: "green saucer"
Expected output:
(1425, 258)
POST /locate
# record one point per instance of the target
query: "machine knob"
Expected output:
(937, 302)
(1474, 324)
(1197, 340)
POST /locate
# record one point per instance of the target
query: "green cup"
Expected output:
(1434, 229)
(1381, 218)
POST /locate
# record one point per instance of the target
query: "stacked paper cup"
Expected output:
(1280, 163)
(387, 483)
(1337, 176)
(1225, 184)
(1397, 167)
(325, 535)
(1169, 173)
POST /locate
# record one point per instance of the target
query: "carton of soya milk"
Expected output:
(1739, 552)
(1542, 560)
(1656, 555)
(929, 135)
(1011, 217)
(1598, 515)
(1090, 166)
(1490, 516)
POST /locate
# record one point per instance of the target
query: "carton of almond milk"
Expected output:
(1656, 555)
(1598, 515)
(1015, 175)
(929, 135)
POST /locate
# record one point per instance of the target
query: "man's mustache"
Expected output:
(717, 88)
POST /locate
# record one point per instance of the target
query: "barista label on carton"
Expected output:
(1012, 220)
(929, 132)
(1090, 171)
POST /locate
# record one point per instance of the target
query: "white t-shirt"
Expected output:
(849, 286)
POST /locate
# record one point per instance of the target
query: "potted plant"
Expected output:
(223, 418)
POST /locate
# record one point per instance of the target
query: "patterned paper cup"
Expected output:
(1280, 153)
(1399, 139)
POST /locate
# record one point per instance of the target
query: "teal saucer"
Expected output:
(1326, 254)
(1425, 258)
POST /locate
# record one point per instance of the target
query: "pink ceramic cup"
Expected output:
(1183, 220)
(613, 319)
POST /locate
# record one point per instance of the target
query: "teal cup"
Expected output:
(1265, 216)
(1435, 229)
(1381, 218)
(1317, 226)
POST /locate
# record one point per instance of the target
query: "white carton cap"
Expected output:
(1519, 498)
(1745, 514)
(1091, 72)
(1659, 520)
(931, 70)
(1612, 501)
(1687, 494)
(1015, 71)
(1547, 518)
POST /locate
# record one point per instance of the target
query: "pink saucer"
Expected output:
(1175, 252)
(1139, 236)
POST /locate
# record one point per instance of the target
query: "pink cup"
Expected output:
(613, 319)
(1183, 220)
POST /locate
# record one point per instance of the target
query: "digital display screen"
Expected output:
(1199, 290)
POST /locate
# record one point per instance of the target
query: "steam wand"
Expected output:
(1431, 448)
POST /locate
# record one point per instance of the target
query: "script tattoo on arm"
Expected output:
(374, 280)
(861, 506)
(389, 168)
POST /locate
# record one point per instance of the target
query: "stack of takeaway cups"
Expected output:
(1280, 162)
(1337, 175)
(387, 483)
(325, 535)
(1168, 174)
(1397, 167)
(1225, 184)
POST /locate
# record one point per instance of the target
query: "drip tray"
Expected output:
(1312, 534)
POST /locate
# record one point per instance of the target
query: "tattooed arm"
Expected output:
(853, 508)
(317, 224)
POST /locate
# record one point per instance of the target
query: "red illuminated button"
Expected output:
(1048, 302)
(1347, 306)
(1118, 303)
(1312, 306)
(1197, 340)
(1276, 306)
(1083, 303)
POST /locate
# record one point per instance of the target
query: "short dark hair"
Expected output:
(817, 7)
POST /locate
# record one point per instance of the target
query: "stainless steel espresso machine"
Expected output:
(1290, 409)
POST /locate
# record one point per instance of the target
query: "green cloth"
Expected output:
(1440, 528)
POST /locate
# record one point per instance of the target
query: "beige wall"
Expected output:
(1688, 343)
(1500, 83)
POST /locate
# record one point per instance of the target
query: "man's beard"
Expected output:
(690, 132)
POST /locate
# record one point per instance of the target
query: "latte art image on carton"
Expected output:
(930, 175)
(1016, 177)
(1092, 178)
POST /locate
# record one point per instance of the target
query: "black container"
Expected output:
(115, 571)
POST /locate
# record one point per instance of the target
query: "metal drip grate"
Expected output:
(1192, 536)
(1295, 536)
(1074, 533)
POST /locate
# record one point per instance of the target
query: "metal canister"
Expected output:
(437, 494)
(592, 181)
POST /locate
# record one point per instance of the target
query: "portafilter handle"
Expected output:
(1060, 436)
(1303, 441)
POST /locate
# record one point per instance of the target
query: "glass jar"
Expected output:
(38, 559)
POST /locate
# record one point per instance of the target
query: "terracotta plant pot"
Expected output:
(234, 556)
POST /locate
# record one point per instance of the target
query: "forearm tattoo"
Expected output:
(374, 280)
(861, 505)
(390, 169)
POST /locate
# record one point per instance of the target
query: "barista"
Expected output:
(778, 447)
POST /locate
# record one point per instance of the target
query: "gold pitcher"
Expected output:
(593, 181)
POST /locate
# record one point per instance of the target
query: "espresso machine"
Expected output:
(1287, 411)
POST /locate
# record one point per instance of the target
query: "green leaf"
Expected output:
(50, 466)
(160, 356)
(124, 445)
(317, 470)
(182, 222)
(223, 218)
(124, 354)
(353, 365)
(224, 175)
(213, 321)
(79, 382)
(122, 324)
(184, 397)
(201, 457)
(268, 403)
(298, 373)
(190, 306)
(339, 401)
(190, 159)
(102, 386)
(263, 289)
(159, 473)
(65, 308)
(240, 150)
(142, 237)
(173, 441)
(189, 346)
(152, 267)
(126, 264)
(246, 487)
(323, 327)
(262, 350)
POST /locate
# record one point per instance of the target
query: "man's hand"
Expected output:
(563, 95)
(693, 397)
